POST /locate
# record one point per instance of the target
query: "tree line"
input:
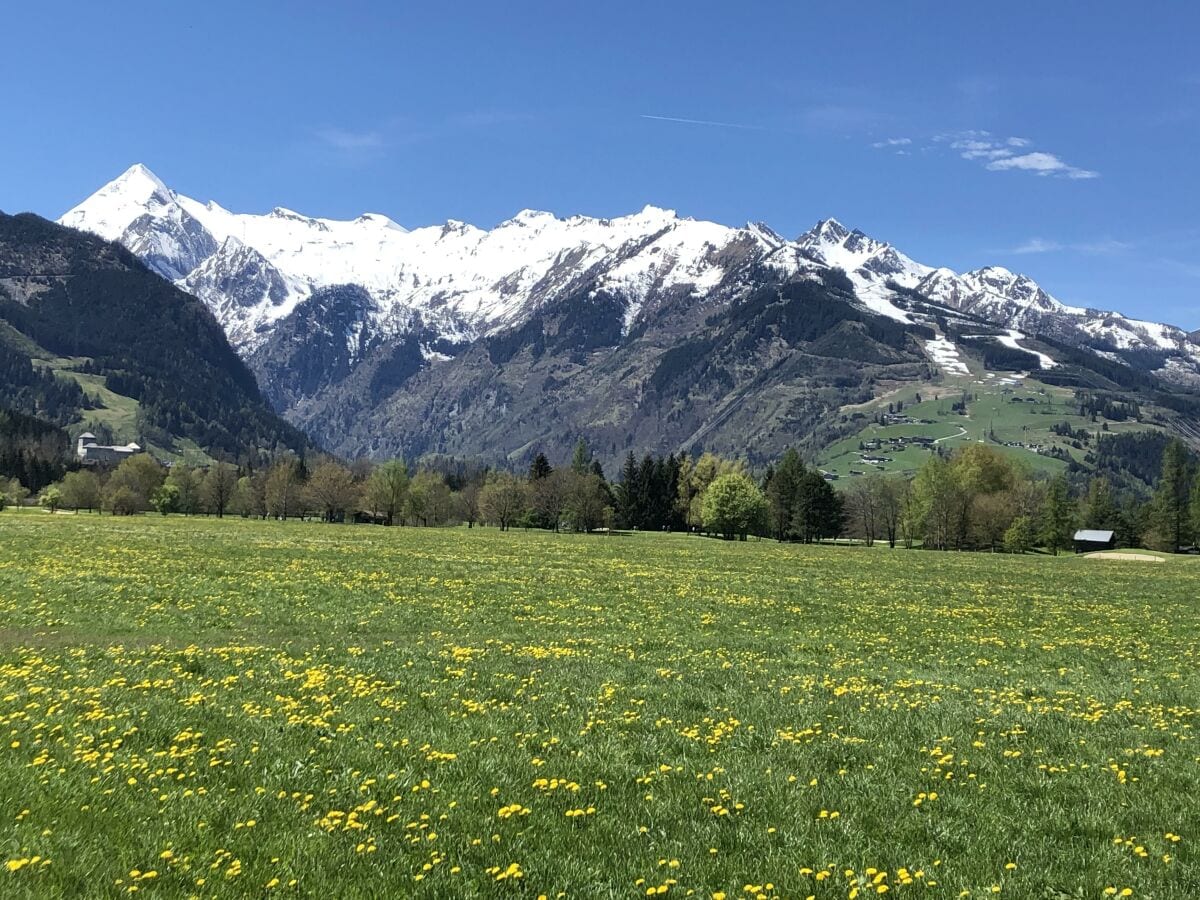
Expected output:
(708, 494)
(979, 498)
(976, 498)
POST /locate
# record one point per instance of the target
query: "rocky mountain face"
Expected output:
(646, 332)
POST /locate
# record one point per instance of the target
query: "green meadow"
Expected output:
(993, 414)
(231, 708)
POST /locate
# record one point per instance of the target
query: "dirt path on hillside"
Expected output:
(950, 437)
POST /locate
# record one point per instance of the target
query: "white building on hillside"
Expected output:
(92, 454)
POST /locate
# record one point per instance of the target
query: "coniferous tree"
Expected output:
(540, 467)
(783, 491)
(818, 512)
(1133, 521)
(628, 491)
(581, 460)
(1194, 504)
(645, 493)
(1058, 517)
(1171, 518)
(1100, 509)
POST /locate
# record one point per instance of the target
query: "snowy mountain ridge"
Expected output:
(461, 282)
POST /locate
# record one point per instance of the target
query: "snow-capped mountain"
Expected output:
(544, 319)
(462, 281)
(1016, 301)
(870, 264)
(253, 270)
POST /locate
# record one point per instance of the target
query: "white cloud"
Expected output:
(350, 141)
(1040, 163)
(1038, 245)
(893, 142)
(1000, 154)
(1103, 247)
(980, 150)
(978, 145)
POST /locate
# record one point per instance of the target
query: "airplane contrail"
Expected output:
(701, 122)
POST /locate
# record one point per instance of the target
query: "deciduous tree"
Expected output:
(282, 489)
(386, 489)
(216, 490)
(734, 506)
(81, 490)
(331, 489)
(503, 499)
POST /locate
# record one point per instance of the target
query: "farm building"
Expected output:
(1087, 540)
(91, 454)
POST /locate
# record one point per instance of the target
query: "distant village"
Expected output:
(875, 452)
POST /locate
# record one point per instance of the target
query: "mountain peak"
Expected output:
(528, 217)
(828, 230)
(380, 220)
(765, 232)
(282, 212)
(109, 211)
(995, 272)
(139, 175)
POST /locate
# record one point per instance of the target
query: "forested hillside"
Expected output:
(88, 333)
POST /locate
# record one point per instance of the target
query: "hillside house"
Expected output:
(1087, 540)
(92, 454)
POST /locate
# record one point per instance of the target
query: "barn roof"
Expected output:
(1088, 534)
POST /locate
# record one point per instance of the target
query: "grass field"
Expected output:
(194, 707)
(118, 411)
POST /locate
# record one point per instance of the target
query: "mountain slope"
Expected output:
(755, 373)
(75, 303)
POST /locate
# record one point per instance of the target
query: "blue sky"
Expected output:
(1056, 139)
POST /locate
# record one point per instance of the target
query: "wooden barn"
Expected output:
(1087, 540)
